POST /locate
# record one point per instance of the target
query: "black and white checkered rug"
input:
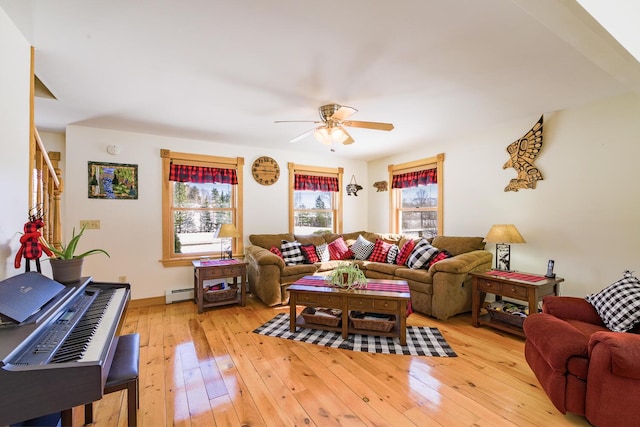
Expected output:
(421, 341)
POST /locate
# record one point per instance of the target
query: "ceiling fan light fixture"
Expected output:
(323, 135)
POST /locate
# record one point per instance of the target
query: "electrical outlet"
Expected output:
(122, 279)
(90, 224)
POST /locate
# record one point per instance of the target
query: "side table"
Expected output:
(219, 269)
(519, 286)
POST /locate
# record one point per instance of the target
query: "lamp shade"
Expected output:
(228, 230)
(504, 233)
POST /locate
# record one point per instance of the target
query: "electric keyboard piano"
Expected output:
(60, 356)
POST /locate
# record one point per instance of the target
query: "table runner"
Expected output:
(372, 284)
(219, 262)
(527, 277)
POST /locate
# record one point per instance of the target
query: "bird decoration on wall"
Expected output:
(523, 152)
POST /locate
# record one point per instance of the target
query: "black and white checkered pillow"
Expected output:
(362, 248)
(291, 252)
(392, 254)
(619, 303)
(323, 252)
(421, 254)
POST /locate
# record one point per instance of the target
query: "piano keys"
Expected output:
(62, 358)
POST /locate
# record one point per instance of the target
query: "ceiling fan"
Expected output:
(333, 120)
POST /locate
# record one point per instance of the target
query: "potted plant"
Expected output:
(347, 276)
(67, 266)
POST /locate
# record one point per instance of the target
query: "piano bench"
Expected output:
(123, 375)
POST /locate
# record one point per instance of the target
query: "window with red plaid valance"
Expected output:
(316, 183)
(202, 174)
(414, 179)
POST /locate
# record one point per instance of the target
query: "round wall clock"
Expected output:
(265, 170)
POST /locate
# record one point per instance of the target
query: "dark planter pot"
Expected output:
(67, 270)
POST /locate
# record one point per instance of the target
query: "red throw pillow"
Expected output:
(380, 250)
(438, 257)
(276, 250)
(404, 253)
(310, 255)
(338, 249)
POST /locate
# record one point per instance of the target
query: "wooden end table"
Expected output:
(499, 284)
(219, 269)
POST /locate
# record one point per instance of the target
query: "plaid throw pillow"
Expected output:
(404, 253)
(380, 251)
(338, 249)
(421, 254)
(291, 252)
(362, 248)
(619, 303)
(309, 253)
(275, 250)
(438, 257)
(392, 254)
(323, 252)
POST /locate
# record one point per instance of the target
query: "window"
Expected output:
(315, 200)
(416, 197)
(199, 194)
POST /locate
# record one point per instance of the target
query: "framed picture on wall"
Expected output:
(112, 181)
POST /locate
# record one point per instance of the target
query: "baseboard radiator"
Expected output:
(178, 294)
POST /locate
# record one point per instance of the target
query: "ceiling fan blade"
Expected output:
(297, 121)
(343, 112)
(368, 125)
(302, 135)
(349, 140)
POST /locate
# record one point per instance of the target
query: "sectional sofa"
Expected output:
(441, 290)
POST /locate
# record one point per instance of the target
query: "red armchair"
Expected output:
(584, 367)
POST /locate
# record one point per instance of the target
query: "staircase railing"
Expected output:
(47, 190)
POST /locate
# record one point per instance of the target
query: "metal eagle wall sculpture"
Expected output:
(523, 152)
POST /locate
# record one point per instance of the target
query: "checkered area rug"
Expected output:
(421, 341)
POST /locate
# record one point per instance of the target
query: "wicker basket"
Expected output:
(382, 325)
(220, 295)
(309, 315)
(505, 316)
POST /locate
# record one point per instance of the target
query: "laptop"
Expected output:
(24, 294)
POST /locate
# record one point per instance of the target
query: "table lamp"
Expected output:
(502, 235)
(227, 231)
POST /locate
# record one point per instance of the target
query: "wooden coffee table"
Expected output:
(312, 291)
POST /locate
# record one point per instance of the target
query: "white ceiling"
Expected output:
(224, 71)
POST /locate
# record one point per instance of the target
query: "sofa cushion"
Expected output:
(404, 253)
(392, 254)
(421, 254)
(309, 239)
(362, 248)
(291, 252)
(380, 267)
(338, 249)
(619, 303)
(420, 275)
(323, 252)
(276, 250)
(268, 240)
(379, 252)
(458, 245)
(309, 253)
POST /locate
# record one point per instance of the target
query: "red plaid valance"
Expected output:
(316, 183)
(202, 174)
(414, 179)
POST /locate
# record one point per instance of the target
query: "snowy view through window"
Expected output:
(313, 212)
(419, 211)
(198, 210)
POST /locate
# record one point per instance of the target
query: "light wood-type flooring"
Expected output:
(212, 370)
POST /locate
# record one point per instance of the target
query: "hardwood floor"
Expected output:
(212, 370)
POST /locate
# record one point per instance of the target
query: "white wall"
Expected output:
(14, 128)
(131, 230)
(585, 214)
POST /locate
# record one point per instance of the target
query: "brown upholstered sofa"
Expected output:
(441, 291)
